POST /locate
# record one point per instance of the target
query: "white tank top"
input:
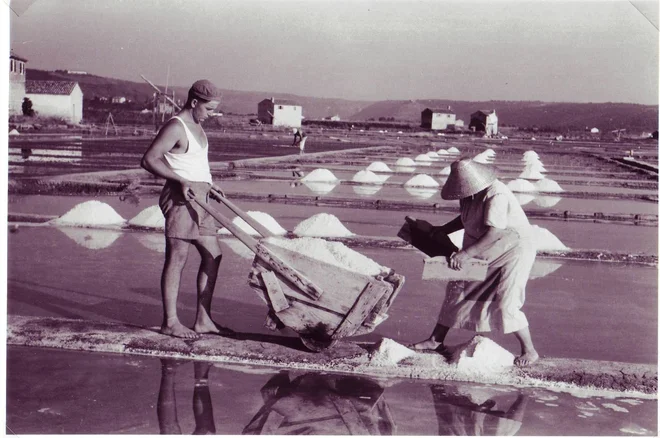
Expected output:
(192, 165)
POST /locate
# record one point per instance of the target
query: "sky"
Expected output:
(570, 51)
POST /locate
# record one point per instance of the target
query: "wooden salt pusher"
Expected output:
(319, 301)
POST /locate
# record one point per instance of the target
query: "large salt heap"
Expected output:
(320, 175)
(368, 177)
(150, 217)
(322, 225)
(332, 253)
(379, 166)
(548, 185)
(263, 218)
(521, 185)
(453, 150)
(421, 180)
(423, 160)
(406, 162)
(89, 214)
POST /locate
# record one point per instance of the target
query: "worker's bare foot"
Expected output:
(211, 327)
(526, 359)
(178, 330)
(428, 345)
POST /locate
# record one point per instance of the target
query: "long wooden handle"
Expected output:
(241, 235)
(265, 232)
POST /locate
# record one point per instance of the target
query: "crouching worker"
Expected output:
(179, 153)
(496, 230)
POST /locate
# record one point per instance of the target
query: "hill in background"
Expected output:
(604, 116)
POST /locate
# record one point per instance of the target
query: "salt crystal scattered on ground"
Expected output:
(446, 171)
(90, 213)
(521, 185)
(531, 174)
(545, 240)
(322, 225)
(379, 166)
(333, 253)
(388, 352)
(320, 175)
(263, 218)
(367, 176)
(548, 185)
(452, 150)
(150, 217)
(421, 180)
(483, 355)
(405, 162)
(91, 239)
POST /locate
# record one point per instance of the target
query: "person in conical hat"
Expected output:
(496, 230)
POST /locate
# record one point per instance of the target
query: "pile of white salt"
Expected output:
(421, 180)
(453, 150)
(521, 185)
(444, 152)
(263, 218)
(406, 162)
(322, 225)
(88, 214)
(481, 355)
(332, 253)
(367, 177)
(548, 185)
(320, 175)
(379, 166)
(388, 352)
(150, 217)
(432, 154)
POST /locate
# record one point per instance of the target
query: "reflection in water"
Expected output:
(420, 192)
(404, 169)
(367, 189)
(91, 238)
(153, 241)
(524, 198)
(238, 247)
(547, 201)
(543, 267)
(477, 410)
(320, 188)
(168, 420)
(320, 404)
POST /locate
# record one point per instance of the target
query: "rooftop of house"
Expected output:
(50, 87)
(13, 55)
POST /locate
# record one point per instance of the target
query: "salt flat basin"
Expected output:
(52, 274)
(146, 395)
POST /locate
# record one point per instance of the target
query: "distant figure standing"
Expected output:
(299, 139)
(179, 153)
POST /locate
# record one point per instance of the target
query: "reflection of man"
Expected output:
(299, 139)
(202, 407)
(321, 405)
(468, 410)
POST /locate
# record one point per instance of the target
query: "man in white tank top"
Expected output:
(179, 153)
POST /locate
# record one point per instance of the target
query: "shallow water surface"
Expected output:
(64, 392)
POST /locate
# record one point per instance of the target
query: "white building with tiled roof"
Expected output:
(280, 112)
(16, 83)
(56, 98)
(438, 119)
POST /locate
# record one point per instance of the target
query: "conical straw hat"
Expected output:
(467, 178)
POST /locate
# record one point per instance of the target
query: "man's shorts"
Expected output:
(183, 219)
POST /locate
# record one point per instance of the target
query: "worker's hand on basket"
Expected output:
(193, 189)
(219, 190)
(458, 260)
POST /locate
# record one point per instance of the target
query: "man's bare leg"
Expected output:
(176, 254)
(528, 353)
(434, 342)
(211, 255)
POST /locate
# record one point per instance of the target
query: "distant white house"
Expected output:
(595, 130)
(484, 121)
(438, 119)
(279, 112)
(16, 83)
(56, 98)
(460, 123)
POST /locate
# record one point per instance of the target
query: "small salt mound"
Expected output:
(320, 175)
(13, 133)
(367, 177)
(446, 171)
(421, 193)
(521, 185)
(547, 201)
(548, 185)
(387, 353)
(321, 188)
(482, 355)
(90, 213)
(523, 198)
(546, 241)
(421, 180)
(263, 218)
(453, 150)
(531, 174)
(481, 159)
(322, 225)
(405, 162)
(432, 154)
(91, 239)
(150, 217)
(444, 152)
(379, 166)
(332, 253)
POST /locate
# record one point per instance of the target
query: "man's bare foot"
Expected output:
(210, 326)
(428, 345)
(526, 359)
(178, 330)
